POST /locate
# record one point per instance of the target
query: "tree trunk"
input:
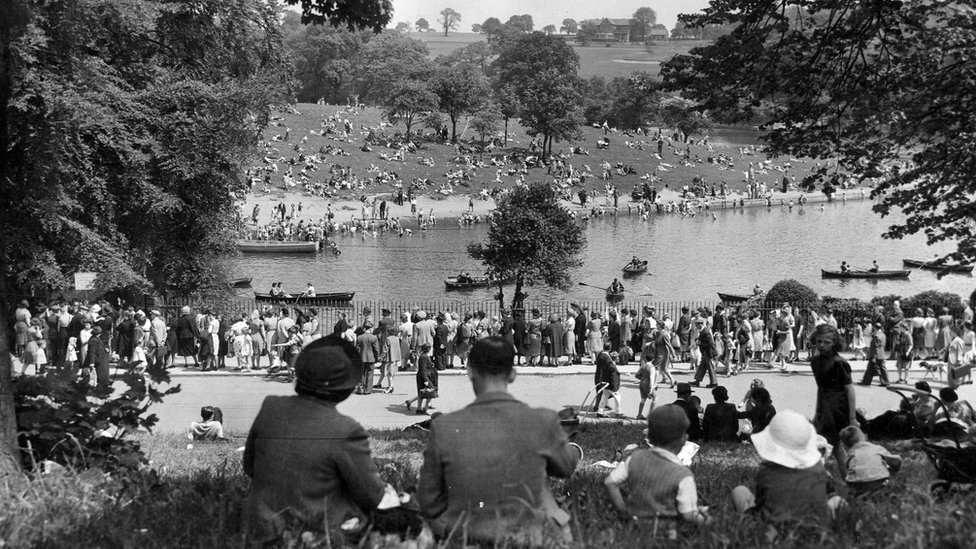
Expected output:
(518, 298)
(505, 144)
(453, 127)
(9, 451)
(500, 296)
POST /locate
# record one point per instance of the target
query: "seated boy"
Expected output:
(210, 427)
(869, 466)
(658, 486)
(791, 483)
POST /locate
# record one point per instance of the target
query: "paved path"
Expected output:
(240, 395)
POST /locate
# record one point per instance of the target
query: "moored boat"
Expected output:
(242, 282)
(452, 283)
(319, 299)
(864, 274)
(733, 298)
(932, 266)
(277, 247)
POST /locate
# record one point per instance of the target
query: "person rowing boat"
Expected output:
(634, 263)
(615, 287)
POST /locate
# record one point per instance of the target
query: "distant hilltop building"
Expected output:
(623, 30)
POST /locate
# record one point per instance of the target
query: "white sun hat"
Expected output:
(789, 440)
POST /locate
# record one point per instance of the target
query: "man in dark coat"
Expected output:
(580, 330)
(441, 336)
(368, 346)
(684, 401)
(97, 357)
(613, 332)
(487, 479)
(706, 344)
(125, 336)
(518, 335)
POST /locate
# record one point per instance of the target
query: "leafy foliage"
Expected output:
(531, 240)
(460, 91)
(62, 419)
(422, 25)
(358, 14)
(323, 58)
(867, 83)
(569, 26)
(449, 19)
(409, 99)
(792, 292)
(644, 18)
(388, 58)
(933, 300)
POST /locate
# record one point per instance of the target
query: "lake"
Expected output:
(691, 258)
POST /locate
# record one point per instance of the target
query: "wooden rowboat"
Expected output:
(319, 299)
(733, 298)
(630, 269)
(932, 266)
(476, 282)
(614, 297)
(864, 274)
(242, 282)
(277, 247)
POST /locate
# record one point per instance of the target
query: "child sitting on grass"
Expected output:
(659, 487)
(869, 466)
(791, 483)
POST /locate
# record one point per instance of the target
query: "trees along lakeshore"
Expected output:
(870, 84)
(124, 135)
(531, 240)
(460, 91)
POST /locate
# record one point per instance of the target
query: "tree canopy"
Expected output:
(386, 59)
(449, 20)
(522, 23)
(422, 25)
(644, 18)
(124, 135)
(359, 14)
(409, 99)
(531, 240)
(460, 91)
(886, 88)
(569, 26)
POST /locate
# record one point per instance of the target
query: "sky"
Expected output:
(543, 12)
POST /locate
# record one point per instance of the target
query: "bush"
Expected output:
(847, 310)
(63, 419)
(792, 292)
(935, 301)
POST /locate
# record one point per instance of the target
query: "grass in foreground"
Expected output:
(193, 498)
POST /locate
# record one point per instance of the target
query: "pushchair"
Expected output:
(954, 460)
(570, 417)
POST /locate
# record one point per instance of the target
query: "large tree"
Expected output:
(644, 18)
(569, 26)
(532, 240)
(409, 100)
(125, 128)
(357, 14)
(522, 23)
(540, 71)
(422, 25)
(489, 27)
(388, 58)
(449, 19)
(460, 91)
(886, 88)
(323, 60)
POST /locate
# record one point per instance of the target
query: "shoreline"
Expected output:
(455, 207)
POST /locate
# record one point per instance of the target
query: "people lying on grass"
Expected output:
(912, 418)
(760, 412)
(720, 422)
(310, 465)
(657, 485)
(791, 483)
(210, 426)
(869, 466)
(485, 466)
(961, 418)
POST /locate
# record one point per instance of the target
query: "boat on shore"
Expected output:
(733, 298)
(932, 266)
(631, 269)
(864, 274)
(452, 283)
(242, 282)
(277, 247)
(319, 299)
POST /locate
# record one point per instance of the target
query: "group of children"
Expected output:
(653, 485)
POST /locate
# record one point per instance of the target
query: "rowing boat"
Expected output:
(615, 297)
(864, 274)
(932, 266)
(276, 247)
(242, 282)
(452, 283)
(319, 299)
(733, 298)
(630, 268)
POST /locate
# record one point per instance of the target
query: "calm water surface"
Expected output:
(691, 258)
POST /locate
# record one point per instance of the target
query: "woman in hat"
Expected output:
(426, 381)
(310, 466)
(594, 335)
(534, 352)
(836, 407)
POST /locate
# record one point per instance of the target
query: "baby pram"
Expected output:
(570, 417)
(954, 460)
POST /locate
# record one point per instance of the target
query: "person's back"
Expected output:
(720, 422)
(485, 466)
